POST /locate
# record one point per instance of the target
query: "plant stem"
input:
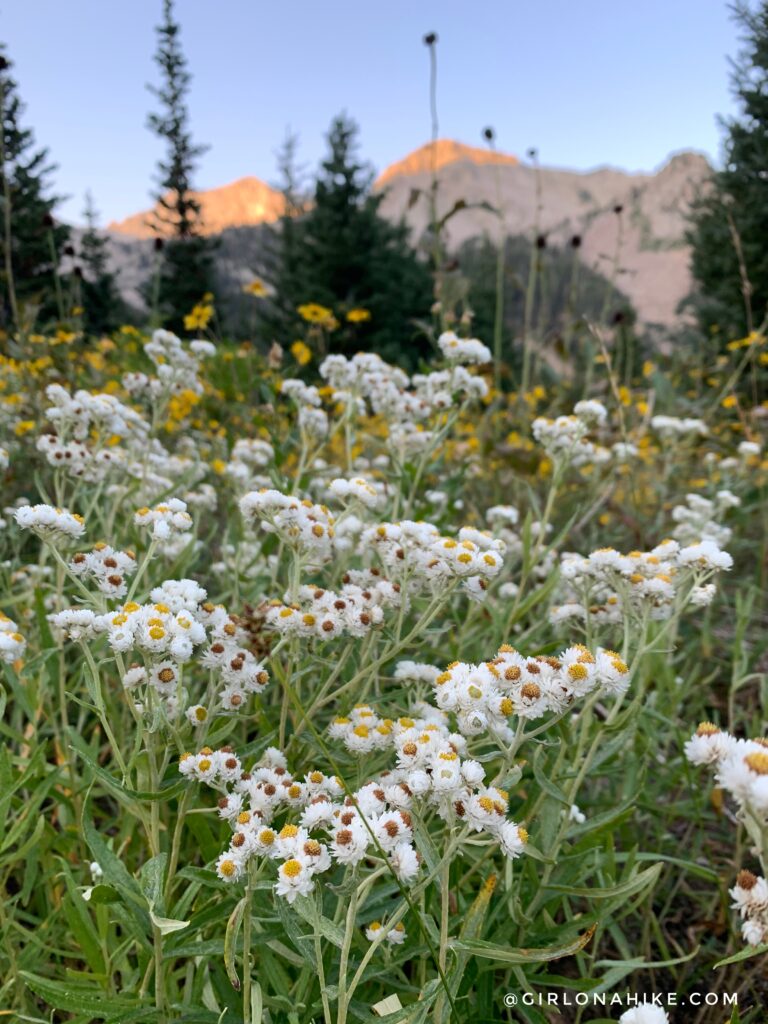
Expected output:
(349, 930)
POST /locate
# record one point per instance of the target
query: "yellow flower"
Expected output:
(648, 368)
(23, 427)
(301, 353)
(199, 318)
(358, 315)
(314, 313)
(258, 288)
(729, 402)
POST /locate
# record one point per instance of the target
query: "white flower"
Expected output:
(512, 839)
(709, 745)
(51, 524)
(405, 862)
(12, 643)
(645, 1013)
(229, 866)
(294, 878)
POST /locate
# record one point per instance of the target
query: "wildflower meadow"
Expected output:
(336, 693)
(382, 624)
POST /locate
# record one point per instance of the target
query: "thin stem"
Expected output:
(349, 929)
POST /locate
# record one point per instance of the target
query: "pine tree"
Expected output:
(730, 220)
(283, 250)
(103, 307)
(186, 266)
(344, 255)
(32, 240)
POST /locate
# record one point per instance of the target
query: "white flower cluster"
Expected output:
(606, 585)
(169, 524)
(12, 643)
(356, 490)
(416, 552)
(312, 420)
(674, 428)
(483, 697)
(405, 403)
(565, 438)
(82, 414)
(302, 525)
(167, 633)
(372, 823)
(749, 450)
(699, 518)
(750, 898)
(740, 767)
(78, 459)
(354, 610)
(108, 568)
(177, 366)
(463, 350)
(249, 457)
(54, 525)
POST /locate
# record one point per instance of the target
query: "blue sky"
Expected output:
(587, 82)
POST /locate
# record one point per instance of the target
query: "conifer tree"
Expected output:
(31, 240)
(342, 254)
(730, 220)
(103, 307)
(186, 267)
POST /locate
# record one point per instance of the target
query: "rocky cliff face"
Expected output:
(642, 247)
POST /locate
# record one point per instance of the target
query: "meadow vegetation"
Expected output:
(337, 688)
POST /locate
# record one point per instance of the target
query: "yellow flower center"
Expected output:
(292, 868)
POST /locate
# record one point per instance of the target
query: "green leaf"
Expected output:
(306, 907)
(81, 924)
(230, 942)
(77, 998)
(744, 954)
(628, 888)
(167, 925)
(301, 939)
(102, 894)
(491, 951)
(152, 878)
(115, 872)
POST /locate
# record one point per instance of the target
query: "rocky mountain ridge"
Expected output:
(641, 247)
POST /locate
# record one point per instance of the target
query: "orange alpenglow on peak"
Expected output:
(246, 201)
(439, 154)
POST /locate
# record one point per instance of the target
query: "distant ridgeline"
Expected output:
(652, 268)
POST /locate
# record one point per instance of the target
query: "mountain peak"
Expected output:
(435, 155)
(245, 201)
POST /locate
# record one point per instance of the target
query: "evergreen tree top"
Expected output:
(179, 209)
